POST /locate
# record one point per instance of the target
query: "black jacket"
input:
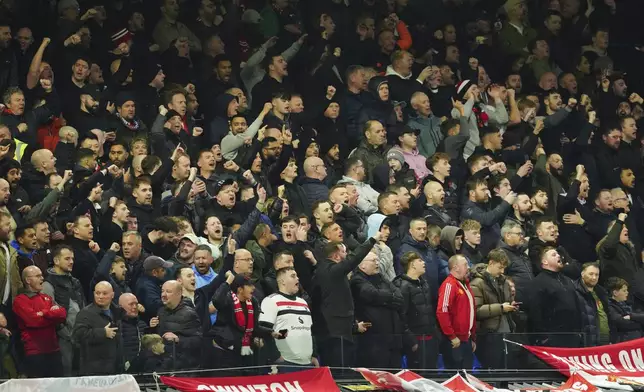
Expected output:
(183, 322)
(438, 217)
(98, 354)
(131, 331)
(226, 332)
(554, 308)
(519, 269)
(332, 293)
(379, 302)
(418, 315)
(620, 260)
(622, 329)
(85, 263)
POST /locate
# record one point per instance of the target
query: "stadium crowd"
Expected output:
(223, 183)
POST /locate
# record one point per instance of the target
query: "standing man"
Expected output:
(456, 315)
(68, 292)
(38, 316)
(421, 341)
(96, 333)
(284, 310)
(554, 307)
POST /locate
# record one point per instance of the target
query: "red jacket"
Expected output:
(38, 333)
(456, 311)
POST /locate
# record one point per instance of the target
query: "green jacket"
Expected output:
(513, 43)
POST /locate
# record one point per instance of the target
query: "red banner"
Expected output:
(623, 359)
(312, 380)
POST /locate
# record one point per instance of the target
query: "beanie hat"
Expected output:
(121, 36)
(170, 114)
(123, 97)
(461, 88)
(396, 154)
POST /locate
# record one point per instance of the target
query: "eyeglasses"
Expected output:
(520, 233)
(250, 259)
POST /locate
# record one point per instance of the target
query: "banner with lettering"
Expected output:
(624, 359)
(117, 383)
(311, 380)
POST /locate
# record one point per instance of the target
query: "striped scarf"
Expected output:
(245, 323)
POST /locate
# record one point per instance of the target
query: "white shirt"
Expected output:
(294, 315)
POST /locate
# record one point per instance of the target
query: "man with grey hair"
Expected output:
(426, 122)
(312, 183)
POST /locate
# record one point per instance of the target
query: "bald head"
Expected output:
(314, 168)
(43, 160)
(434, 193)
(32, 276)
(171, 294)
(103, 294)
(125, 298)
(243, 262)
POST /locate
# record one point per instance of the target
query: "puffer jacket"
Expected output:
(490, 294)
(519, 269)
(184, 322)
(418, 315)
(67, 291)
(131, 330)
(315, 189)
(589, 312)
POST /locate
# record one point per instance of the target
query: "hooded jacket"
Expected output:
(430, 133)
(447, 249)
(219, 126)
(377, 109)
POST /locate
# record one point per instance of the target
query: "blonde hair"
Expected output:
(470, 224)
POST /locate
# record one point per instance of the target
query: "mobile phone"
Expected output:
(283, 332)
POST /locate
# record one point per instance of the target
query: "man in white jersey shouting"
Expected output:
(289, 315)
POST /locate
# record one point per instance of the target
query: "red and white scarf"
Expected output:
(245, 323)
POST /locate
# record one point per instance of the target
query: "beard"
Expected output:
(92, 109)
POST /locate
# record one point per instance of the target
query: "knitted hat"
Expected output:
(170, 114)
(396, 154)
(121, 36)
(462, 87)
(123, 97)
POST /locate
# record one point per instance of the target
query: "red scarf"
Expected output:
(245, 323)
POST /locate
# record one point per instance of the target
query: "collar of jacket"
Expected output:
(391, 71)
(371, 147)
(77, 242)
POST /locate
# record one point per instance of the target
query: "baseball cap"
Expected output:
(192, 238)
(154, 262)
(402, 104)
(222, 183)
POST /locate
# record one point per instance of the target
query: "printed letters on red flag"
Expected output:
(312, 380)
